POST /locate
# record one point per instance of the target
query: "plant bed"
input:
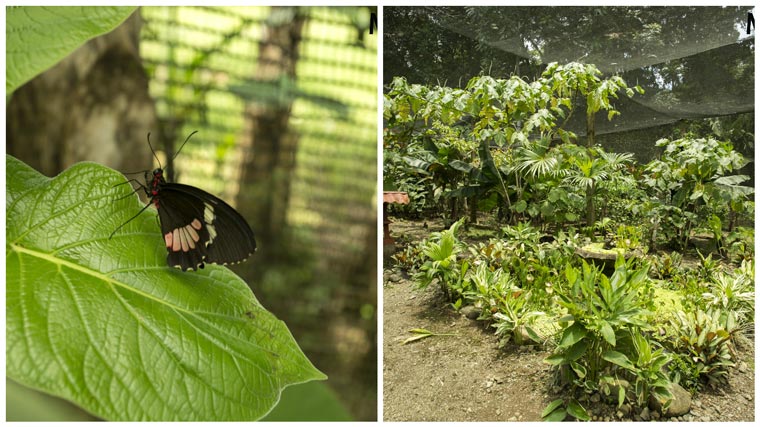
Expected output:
(463, 348)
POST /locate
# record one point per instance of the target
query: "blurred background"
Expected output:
(285, 102)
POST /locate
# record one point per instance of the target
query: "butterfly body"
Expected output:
(198, 227)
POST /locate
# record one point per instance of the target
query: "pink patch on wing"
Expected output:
(183, 239)
(193, 235)
(168, 238)
(177, 244)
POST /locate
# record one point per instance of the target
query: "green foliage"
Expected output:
(705, 341)
(106, 324)
(741, 244)
(411, 258)
(600, 313)
(708, 267)
(644, 368)
(490, 288)
(734, 293)
(666, 265)
(491, 140)
(441, 251)
(628, 237)
(39, 37)
(516, 318)
(558, 410)
(690, 184)
(683, 371)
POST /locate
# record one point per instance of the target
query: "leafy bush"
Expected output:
(734, 294)
(705, 339)
(645, 369)
(666, 265)
(411, 258)
(515, 319)
(441, 250)
(601, 312)
(690, 183)
(740, 244)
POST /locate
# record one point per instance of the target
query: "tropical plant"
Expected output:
(708, 267)
(628, 237)
(644, 368)
(411, 258)
(515, 319)
(706, 337)
(441, 250)
(734, 294)
(692, 176)
(559, 409)
(741, 244)
(666, 265)
(593, 170)
(600, 312)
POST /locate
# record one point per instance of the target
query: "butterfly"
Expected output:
(198, 227)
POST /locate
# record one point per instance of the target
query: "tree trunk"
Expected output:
(590, 129)
(474, 210)
(93, 105)
(590, 206)
(269, 148)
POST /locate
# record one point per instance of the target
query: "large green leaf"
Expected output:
(619, 359)
(37, 37)
(573, 334)
(579, 412)
(106, 324)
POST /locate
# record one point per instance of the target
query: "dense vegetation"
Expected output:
(496, 153)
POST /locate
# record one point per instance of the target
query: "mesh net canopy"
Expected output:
(692, 62)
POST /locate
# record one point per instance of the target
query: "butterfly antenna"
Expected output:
(129, 220)
(154, 152)
(183, 144)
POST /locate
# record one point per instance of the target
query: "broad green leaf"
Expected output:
(558, 415)
(608, 333)
(555, 359)
(572, 335)
(37, 37)
(619, 359)
(579, 412)
(579, 370)
(576, 351)
(106, 324)
(551, 407)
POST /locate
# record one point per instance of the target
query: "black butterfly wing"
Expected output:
(183, 225)
(223, 235)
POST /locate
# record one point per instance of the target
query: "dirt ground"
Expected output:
(466, 377)
(454, 378)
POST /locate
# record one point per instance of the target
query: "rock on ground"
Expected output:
(679, 406)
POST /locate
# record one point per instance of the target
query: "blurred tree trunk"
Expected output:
(269, 165)
(93, 105)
